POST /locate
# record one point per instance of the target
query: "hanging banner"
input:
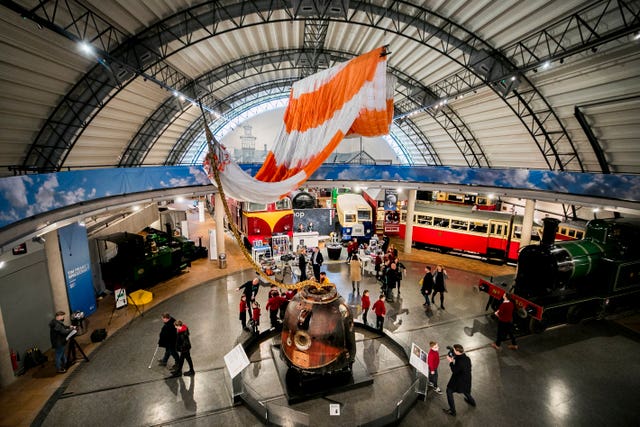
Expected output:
(390, 199)
(74, 249)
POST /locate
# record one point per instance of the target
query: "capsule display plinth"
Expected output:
(300, 387)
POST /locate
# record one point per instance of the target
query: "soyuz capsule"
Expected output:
(317, 332)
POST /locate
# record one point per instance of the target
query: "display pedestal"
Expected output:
(299, 388)
(334, 251)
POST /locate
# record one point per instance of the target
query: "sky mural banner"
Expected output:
(24, 196)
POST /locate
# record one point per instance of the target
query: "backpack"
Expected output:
(98, 335)
(33, 357)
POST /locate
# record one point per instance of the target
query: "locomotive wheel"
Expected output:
(522, 313)
(575, 314)
(537, 326)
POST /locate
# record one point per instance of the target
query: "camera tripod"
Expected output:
(72, 346)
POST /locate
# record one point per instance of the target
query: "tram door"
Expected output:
(497, 244)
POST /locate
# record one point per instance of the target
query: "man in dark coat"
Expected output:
(302, 264)
(460, 381)
(427, 285)
(316, 262)
(58, 333)
(250, 289)
(167, 339)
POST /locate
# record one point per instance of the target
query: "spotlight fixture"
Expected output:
(594, 49)
(86, 48)
(39, 239)
(546, 65)
(637, 36)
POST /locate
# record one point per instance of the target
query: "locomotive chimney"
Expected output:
(549, 231)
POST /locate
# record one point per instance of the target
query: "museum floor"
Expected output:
(571, 375)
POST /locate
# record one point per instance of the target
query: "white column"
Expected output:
(56, 273)
(527, 222)
(408, 234)
(219, 216)
(6, 369)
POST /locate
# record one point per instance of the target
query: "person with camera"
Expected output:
(58, 333)
(460, 381)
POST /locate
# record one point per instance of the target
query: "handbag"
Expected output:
(421, 281)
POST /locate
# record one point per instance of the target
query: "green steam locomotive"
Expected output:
(571, 280)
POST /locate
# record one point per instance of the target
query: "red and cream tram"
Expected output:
(494, 235)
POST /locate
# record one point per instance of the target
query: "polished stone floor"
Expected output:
(584, 374)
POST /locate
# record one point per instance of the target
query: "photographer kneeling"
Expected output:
(460, 381)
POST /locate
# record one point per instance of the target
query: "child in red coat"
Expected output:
(243, 312)
(380, 310)
(433, 360)
(273, 305)
(255, 317)
(366, 303)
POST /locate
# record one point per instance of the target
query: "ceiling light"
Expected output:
(637, 36)
(546, 65)
(1, 264)
(86, 48)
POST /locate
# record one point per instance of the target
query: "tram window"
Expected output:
(459, 224)
(479, 227)
(364, 215)
(403, 216)
(349, 217)
(424, 219)
(517, 231)
(254, 207)
(457, 198)
(283, 204)
(497, 229)
(481, 201)
(579, 234)
(441, 222)
(572, 233)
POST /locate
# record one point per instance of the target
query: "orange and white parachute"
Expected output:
(352, 98)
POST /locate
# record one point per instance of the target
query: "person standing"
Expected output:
(58, 332)
(250, 289)
(243, 312)
(167, 340)
(273, 305)
(366, 303)
(380, 310)
(505, 323)
(460, 381)
(433, 361)
(183, 345)
(302, 264)
(385, 243)
(356, 273)
(392, 276)
(439, 285)
(316, 262)
(427, 285)
(255, 317)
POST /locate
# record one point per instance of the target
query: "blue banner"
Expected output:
(74, 248)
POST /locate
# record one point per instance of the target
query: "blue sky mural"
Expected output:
(27, 195)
